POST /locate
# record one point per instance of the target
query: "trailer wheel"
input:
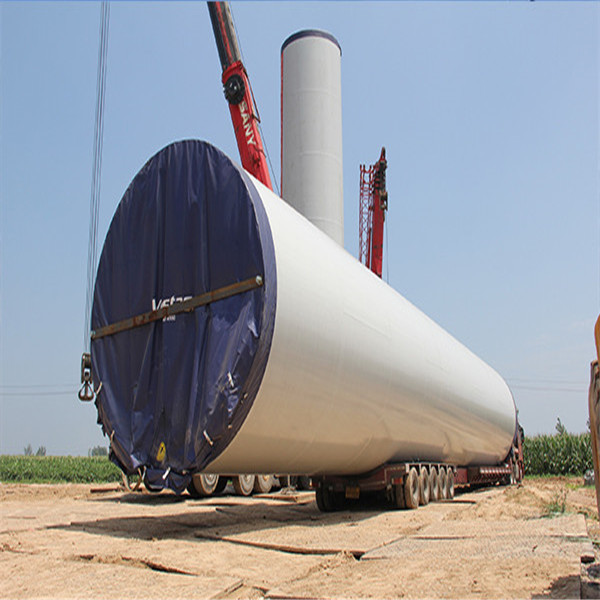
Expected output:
(326, 500)
(203, 484)
(263, 484)
(520, 471)
(303, 482)
(516, 472)
(434, 487)
(450, 484)
(398, 497)
(411, 489)
(424, 486)
(243, 484)
(443, 483)
(221, 485)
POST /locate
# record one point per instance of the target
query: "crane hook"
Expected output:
(86, 393)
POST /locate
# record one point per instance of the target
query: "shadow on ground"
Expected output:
(217, 517)
(563, 587)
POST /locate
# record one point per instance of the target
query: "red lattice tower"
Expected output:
(372, 209)
(365, 217)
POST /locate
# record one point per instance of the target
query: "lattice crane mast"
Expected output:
(372, 209)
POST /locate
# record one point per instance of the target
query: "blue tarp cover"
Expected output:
(175, 392)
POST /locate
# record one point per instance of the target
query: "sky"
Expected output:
(489, 113)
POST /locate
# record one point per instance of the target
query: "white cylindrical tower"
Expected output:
(293, 358)
(311, 129)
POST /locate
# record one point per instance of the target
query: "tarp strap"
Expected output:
(179, 307)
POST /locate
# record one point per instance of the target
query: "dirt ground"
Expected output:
(82, 541)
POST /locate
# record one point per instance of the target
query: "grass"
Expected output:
(558, 504)
(571, 485)
(57, 469)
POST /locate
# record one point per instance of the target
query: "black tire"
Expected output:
(221, 485)
(434, 487)
(303, 483)
(399, 496)
(322, 498)
(263, 484)
(442, 483)
(450, 484)
(327, 499)
(192, 491)
(424, 492)
(243, 484)
(203, 485)
(411, 489)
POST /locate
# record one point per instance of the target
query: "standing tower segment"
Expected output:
(311, 129)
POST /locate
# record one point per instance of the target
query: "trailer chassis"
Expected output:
(410, 484)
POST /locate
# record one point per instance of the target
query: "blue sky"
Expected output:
(490, 116)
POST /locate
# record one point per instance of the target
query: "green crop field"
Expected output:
(57, 469)
(558, 454)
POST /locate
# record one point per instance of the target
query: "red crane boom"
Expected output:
(373, 206)
(238, 94)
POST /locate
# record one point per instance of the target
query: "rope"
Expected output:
(262, 135)
(387, 255)
(96, 171)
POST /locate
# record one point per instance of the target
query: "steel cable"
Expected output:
(387, 256)
(262, 135)
(96, 170)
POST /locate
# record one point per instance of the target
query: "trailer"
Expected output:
(412, 484)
